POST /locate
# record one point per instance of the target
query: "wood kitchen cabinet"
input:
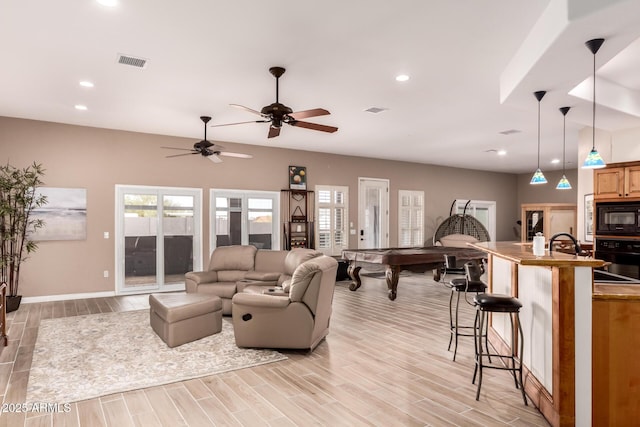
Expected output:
(548, 219)
(617, 181)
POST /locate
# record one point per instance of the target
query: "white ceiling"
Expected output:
(473, 67)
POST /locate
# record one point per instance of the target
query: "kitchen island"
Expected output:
(556, 291)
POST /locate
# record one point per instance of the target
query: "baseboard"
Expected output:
(62, 297)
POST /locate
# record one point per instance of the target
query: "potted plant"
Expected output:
(18, 199)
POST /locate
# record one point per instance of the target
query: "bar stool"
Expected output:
(470, 283)
(497, 303)
(450, 266)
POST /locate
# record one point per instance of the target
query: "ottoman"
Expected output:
(182, 318)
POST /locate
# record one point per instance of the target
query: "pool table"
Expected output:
(395, 260)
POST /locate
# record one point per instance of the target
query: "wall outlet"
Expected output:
(106, 273)
(106, 234)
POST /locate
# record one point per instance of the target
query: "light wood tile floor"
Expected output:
(385, 363)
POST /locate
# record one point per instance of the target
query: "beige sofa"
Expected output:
(243, 268)
(298, 319)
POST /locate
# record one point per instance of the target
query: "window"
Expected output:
(332, 233)
(410, 218)
(158, 232)
(483, 211)
(245, 218)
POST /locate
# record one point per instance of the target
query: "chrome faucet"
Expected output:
(573, 239)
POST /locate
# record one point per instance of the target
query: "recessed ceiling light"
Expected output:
(402, 78)
(86, 83)
(81, 107)
(555, 161)
(502, 152)
(109, 3)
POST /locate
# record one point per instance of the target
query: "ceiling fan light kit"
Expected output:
(207, 148)
(594, 160)
(538, 176)
(277, 114)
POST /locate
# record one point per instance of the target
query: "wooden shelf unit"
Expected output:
(298, 224)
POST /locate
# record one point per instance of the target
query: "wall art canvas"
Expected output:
(297, 178)
(64, 215)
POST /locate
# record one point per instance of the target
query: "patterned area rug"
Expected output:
(82, 357)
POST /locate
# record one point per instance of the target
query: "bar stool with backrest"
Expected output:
(496, 303)
(470, 283)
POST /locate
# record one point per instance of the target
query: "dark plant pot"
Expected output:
(13, 302)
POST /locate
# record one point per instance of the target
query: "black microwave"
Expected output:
(618, 218)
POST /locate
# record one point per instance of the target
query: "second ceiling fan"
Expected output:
(276, 114)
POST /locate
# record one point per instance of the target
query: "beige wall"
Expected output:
(99, 159)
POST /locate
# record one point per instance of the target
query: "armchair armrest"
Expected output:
(202, 276)
(261, 300)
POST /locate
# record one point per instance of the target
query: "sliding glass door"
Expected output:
(158, 233)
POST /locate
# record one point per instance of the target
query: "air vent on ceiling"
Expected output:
(132, 60)
(375, 110)
(510, 131)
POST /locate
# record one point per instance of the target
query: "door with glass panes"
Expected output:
(158, 232)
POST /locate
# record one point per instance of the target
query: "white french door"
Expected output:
(158, 237)
(373, 213)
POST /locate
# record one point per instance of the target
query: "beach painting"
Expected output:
(64, 214)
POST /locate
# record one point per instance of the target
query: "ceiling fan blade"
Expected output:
(176, 148)
(273, 132)
(237, 155)
(297, 115)
(314, 126)
(240, 123)
(214, 158)
(185, 154)
(251, 110)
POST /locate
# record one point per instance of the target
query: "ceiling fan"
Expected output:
(276, 114)
(208, 149)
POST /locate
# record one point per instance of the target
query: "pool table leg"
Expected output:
(392, 275)
(354, 274)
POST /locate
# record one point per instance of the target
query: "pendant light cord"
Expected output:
(564, 138)
(593, 122)
(538, 134)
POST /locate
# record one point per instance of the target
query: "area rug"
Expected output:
(82, 357)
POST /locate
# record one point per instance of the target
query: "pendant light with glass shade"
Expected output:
(538, 176)
(564, 183)
(594, 160)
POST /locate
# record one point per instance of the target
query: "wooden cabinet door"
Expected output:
(632, 181)
(608, 183)
(561, 220)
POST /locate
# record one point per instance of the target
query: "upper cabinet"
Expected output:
(617, 181)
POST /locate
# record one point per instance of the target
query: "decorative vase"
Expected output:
(13, 302)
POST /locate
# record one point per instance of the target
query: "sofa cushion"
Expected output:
(236, 257)
(221, 289)
(231, 275)
(268, 260)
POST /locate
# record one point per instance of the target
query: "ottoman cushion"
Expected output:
(182, 318)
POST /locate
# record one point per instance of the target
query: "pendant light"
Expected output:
(538, 176)
(594, 160)
(564, 183)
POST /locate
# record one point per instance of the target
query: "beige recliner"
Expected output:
(299, 320)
